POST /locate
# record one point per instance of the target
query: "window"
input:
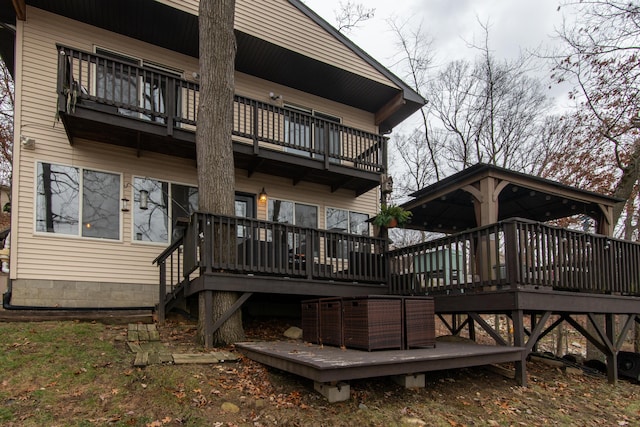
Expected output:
(68, 197)
(298, 126)
(347, 222)
(155, 203)
(293, 213)
(129, 81)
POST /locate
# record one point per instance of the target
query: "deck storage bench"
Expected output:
(419, 322)
(311, 321)
(373, 323)
(331, 321)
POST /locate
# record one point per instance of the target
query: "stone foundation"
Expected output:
(80, 294)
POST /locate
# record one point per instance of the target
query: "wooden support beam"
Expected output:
(206, 310)
(488, 329)
(517, 316)
(389, 108)
(462, 325)
(443, 320)
(585, 333)
(555, 324)
(20, 7)
(472, 329)
(612, 355)
(236, 305)
(625, 330)
(604, 338)
(536, 331)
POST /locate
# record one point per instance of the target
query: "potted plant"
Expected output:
(391, 216)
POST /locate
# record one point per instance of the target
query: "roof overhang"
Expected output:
(148, 21)
(448, 205)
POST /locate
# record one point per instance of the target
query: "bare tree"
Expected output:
(7, 105)
(600, 57)
(350, 15)
(492, 111)
(216, 180)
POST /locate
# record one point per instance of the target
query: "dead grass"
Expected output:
(81, 374)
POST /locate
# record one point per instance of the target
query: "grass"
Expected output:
(81, 374)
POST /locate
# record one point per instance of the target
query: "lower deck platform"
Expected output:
(332, 364)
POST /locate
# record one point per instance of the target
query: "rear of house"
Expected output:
(104, 162)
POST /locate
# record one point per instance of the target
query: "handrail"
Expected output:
(216, 243)
(517, 253)
(168, 251)
(145, 93)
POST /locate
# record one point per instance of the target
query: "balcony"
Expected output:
(116, 102)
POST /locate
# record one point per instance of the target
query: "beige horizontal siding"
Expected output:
(281, 23)
(43, 256)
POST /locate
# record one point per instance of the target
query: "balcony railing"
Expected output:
(150, 94)
(215, 244)
(517, 253)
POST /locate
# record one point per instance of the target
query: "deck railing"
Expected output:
(215, 244)
(151, 94)
(517, 253)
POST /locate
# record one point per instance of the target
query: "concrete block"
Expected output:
(410, 381)
(333, 393)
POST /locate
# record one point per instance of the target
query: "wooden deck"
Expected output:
(329, 364)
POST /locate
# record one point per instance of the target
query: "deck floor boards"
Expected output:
(327, 363)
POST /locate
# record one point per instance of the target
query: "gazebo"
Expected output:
(502, 256)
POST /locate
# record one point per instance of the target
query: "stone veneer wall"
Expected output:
(76, 294)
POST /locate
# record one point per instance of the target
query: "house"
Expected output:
(104, 197)
(104, 163)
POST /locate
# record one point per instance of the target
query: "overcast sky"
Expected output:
(515, 25)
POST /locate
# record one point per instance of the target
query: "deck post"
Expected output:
(612, 354)
(163, 292)
(518, 341)
(205, 299)
(472, 328)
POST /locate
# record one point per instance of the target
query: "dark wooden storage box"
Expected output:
(331, 321)
(311, 321)
(420, 325)
(373, 323)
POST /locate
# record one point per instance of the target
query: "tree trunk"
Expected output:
(214, 150)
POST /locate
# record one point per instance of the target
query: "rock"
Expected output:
(293, 333)
(230, 407)
(410, 422)
(260, 403)
(363, 407)
(569, 370)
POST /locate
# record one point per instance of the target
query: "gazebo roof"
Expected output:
(451, 204)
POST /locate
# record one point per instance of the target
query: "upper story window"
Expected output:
(77, 201)
(129, 81)
(157, 207)
(311, 139)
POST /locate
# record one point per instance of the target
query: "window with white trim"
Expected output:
(347, 222)
(299, 214)
(157, 207)
(77, 201)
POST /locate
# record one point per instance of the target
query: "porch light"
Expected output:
(125, 204)
(144, 200)
(262, 197)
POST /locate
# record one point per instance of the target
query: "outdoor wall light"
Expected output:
(144, 200)
(125, 204)
(27, 142)
(262, 197)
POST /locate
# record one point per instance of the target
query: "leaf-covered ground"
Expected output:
(71, 373)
